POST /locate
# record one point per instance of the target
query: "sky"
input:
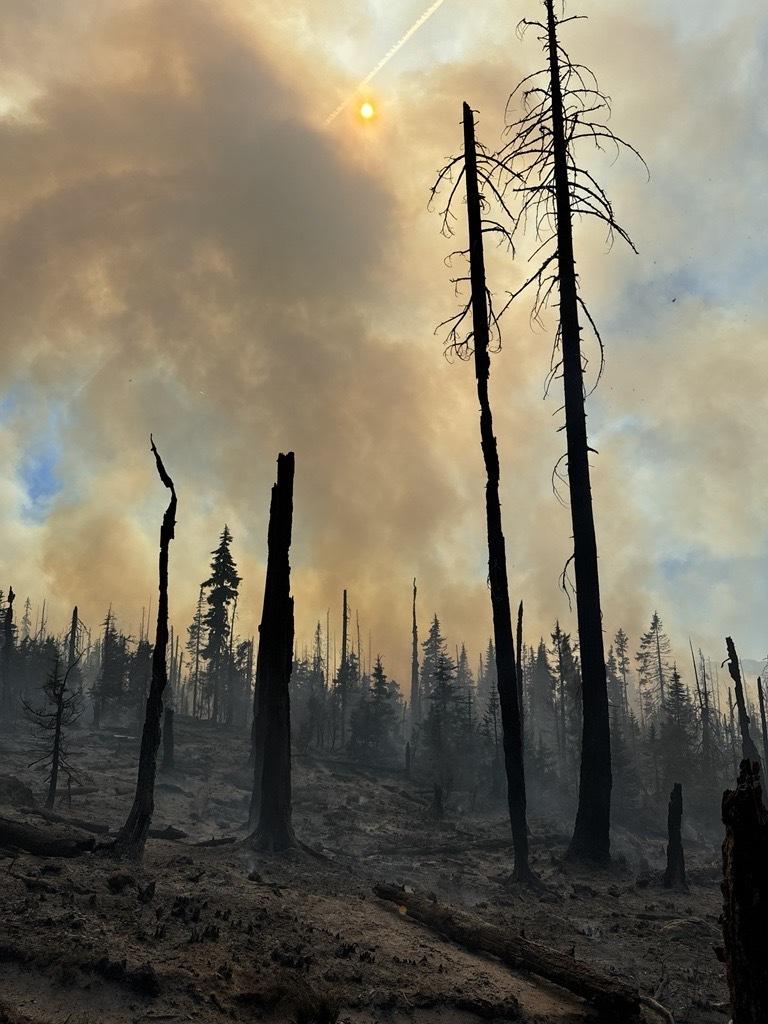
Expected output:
(187, 248)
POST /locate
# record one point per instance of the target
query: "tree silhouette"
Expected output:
(132, 837)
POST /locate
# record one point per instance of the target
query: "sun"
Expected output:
(367, 111)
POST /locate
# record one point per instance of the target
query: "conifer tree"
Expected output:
(653, 668)
(222, 586)
(195, 645)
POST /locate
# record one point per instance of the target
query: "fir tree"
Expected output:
(222, 587)
(652, 661)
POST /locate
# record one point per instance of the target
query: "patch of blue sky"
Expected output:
(9, 401)
(38, 464)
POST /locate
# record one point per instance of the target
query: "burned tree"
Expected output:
(342, 681)
(62, 708)
(132, 837)
(519, 670)
(748, 748)
(271, 797)
(761, 702)
(674, 875)
(479, 341)
(745, 896)
(535, 179)
(6, 661)
(415, 696)
(540, 169)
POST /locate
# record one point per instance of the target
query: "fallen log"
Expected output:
(18, 835)
(610, 996)
(96, 827)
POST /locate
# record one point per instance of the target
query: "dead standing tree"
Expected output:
(748, 748)
(62, 708)
(271, 797)
(674, 875)
(535, 180)
(761, 703)
(745, 896)
(6, 661)
(132, 837)
(479, 340)
(539, 173)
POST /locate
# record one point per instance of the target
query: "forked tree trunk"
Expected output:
(271, 799)
(748, 749)
(674, 876)
(132, 837)
(497, 558)
(591, 836)
(745, 896)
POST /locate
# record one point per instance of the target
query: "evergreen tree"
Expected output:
(677, 733)
(653, 669)
(542, 700)
(195, 646)
(110, 685)
(222, 587)
(621, 647)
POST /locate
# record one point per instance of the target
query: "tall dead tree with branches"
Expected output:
(271, 797)
(474, 168)
(132, 837)
(62, 708)
(536, 181)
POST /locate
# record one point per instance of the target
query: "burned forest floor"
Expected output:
(216, 932)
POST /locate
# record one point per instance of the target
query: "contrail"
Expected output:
(386, 58)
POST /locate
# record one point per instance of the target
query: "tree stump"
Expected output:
(674, 876)
(745, 896)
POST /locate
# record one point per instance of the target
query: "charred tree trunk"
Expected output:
(415, 695)
(6, 663)
(519, 671)
(271, 800)
(72, 654)
(761, 702)
(132, 837)
(168, 745)
(748, 748)
(745, 896)
(614, 999)
(674, 876)
(343, 671)
(497, 558)
(58, 696)
(591, 836)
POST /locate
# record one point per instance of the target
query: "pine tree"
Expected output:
(653, 669)
(621, 647)
(676, 733)
(195, 646)
(222, 587)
